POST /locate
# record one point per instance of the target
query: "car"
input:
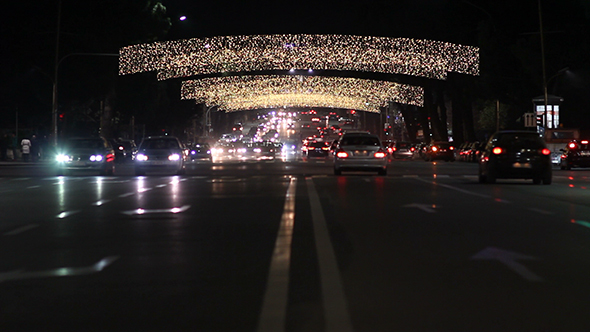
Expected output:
(317, 149)
(360, 151)
(86, 154)
(575, 154)
(125, 150)
(515, 155)
(401, 150)
(161, 153)
(439, 151)
(200, 151)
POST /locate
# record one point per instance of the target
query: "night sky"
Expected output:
(28, 32)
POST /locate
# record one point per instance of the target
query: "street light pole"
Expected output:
(57, 61)
(207, 126)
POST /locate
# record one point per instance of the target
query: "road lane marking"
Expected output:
(162, 185)
(454, 188)
(509, 258)
(101, 202)
(335, 306)
(33, 187)
(21, 229)
(141, 211)
(274, 305)
(127, 194)
(59, 272)
(540, 211)
(424, 207)
(65, 214)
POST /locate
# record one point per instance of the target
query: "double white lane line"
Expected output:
(274, 307)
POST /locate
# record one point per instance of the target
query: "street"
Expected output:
(272, 245)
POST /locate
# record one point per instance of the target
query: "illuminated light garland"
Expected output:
(270, 91)
(199, 56)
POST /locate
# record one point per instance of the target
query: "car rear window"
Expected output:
(519, 141)
(360, 140)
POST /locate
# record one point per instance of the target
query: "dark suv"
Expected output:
(439, 151)
(575, 154)
(515, 155)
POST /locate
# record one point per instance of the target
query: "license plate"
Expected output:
(521, 165)
(159, 162)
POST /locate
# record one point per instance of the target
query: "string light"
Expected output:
(233, 93)
(199, 56)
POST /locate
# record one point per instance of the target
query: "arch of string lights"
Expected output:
(232, 93)
(199, 56)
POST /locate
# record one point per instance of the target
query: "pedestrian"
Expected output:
(3, 147)
(35, 148)
(26, 148)
(12, 147)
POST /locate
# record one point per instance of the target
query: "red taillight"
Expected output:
(434, 149)
(412, 149)
(110, 157)
(545, 152)
(572, 145)
(394, 149)
(380, 154)
(584, 142)
(497, 150)
(341, 154)
(452, 148)
(390, 150)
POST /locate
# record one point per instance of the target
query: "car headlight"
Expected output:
(96, 157)
(62, 158)
(174, 157)
(193, 152)
(141, 157)
(257, 150)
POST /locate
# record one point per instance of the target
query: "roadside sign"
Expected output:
(530, 120)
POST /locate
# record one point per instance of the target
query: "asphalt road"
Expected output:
(271, 246)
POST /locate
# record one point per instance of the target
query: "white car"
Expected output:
(360, 151)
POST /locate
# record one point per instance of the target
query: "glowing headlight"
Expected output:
(193, 152)
(62, 158)
(174, 157)
(96, 157)
(141, 157)
(257, 150)
(241, 150)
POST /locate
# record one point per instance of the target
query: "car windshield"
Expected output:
(160, 144)
(86, 144)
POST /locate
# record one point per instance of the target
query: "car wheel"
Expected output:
(337, 171)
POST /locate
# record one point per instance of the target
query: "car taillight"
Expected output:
(452, 148)
(412, 149)
(342, 154)
(380, 154)
(545, 152)
(390, 150)
(110, 157)
(434, 149)
(497, 150)
(394, 149)
(572, 145)
(584, 142)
